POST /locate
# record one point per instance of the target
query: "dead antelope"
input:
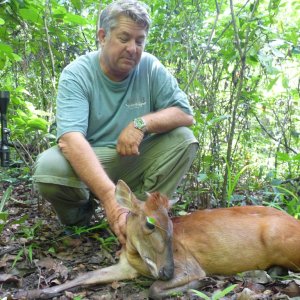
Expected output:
(179, 252)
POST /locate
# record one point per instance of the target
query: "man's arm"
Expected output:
(84, 161)
(157, 122)
(167, 119)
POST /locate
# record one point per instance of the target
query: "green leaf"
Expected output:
(5, 197)
(2, 21)
(296, 157)
(285, 81)
(15, 57)
(283, 156)
(218, 119)
(30, 15)
(19, 121)
(2, 62)
(3, 216)
(221, 294)
(272, 83)
(5, 48)
(51, 250)
(18, 257)
(76, 3)
(59, 11)
(3, 219)
(21, 220)
(38, 124)
(75, 19)
(200, 294)
(151, 220)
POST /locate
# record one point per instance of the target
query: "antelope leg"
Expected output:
(183, 280)
(119, 271)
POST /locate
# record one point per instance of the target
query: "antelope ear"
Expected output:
(125, 197)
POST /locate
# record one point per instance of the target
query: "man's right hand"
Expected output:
(117, 221)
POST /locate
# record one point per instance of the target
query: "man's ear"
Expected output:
(101, 36)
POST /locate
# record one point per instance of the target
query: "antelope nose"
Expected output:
(166, 273)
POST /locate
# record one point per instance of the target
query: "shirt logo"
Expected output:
(135, 103)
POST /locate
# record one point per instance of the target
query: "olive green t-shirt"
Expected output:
(90, 103)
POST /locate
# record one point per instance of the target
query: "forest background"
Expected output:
(239, 62)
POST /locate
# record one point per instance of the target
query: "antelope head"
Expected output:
(149, 233)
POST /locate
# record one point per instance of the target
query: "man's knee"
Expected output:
(183, 138)
(183, 135)
(51, 162)
(52, 167)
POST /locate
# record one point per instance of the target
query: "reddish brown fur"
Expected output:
(156, 201)
(266, 235)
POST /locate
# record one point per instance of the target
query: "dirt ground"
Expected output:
(35, 253)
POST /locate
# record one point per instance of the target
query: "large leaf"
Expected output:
(30, 15)
(75, 19)
(6, 49)
(283, 156)
(37, 124)
(19, 121)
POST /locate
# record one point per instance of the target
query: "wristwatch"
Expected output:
(139, 123)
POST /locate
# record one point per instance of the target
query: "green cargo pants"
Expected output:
(163, 161)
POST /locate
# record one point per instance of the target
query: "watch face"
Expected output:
(140, 124)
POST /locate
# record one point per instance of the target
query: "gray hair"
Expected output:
(135, 10)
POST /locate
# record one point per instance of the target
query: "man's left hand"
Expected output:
(129, 141)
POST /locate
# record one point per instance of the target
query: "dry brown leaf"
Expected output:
(47, 263)
(292, 289)
(256, 276)
(10, 278)
(57, 266)
(115, 285)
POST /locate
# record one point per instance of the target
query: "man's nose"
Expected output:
(131, 46)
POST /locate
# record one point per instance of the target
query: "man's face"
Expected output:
(122, 49)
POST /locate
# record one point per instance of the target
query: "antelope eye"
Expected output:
(150, 225)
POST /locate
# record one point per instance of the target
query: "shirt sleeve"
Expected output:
(166, 91)
(72, 110)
